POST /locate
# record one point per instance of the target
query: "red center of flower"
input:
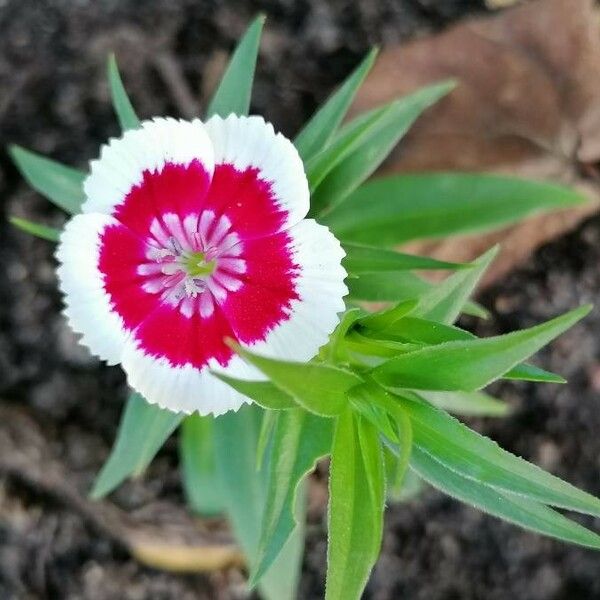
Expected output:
(196, 260)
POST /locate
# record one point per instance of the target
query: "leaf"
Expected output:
(317, 387)
(401, 486)
(321, 127)
(321, 164)
(386, 287)
(143, 430)
(383, 320)
(267, 426)
(472, 364)
(300, 439)
(422, 331)
(352, 516)
(520, 511)
(123, 107)
(445, 301)
(396, 209)
(236, 440)
(368, 259)
(197, 455)
(42, 231)
(264, 393)
(478, 458)
(478, 404)
(375, 147)
(335, 351)
(62, 185)
(234, 91)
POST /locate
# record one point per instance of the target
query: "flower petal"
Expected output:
(88, 306)
(181, 388)
(313, 313)
(165, 166)
(259, 182)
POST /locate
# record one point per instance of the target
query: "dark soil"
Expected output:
(53, 98)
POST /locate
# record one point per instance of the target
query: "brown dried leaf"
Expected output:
(527, 103)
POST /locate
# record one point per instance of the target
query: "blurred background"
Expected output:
(527, 104)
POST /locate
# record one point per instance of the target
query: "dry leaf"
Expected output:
(527, 103)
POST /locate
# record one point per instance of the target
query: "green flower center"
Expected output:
(196, 265)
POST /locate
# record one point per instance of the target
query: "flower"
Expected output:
(192, 233)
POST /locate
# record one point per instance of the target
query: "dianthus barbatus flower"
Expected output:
(192, 233)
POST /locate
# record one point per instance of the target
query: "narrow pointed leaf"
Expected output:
(384, 320)
(264, 393)
(445, 302)
(42, 231)
(368, 259)
(386, 287)
(322, 163)
(234, 91)
(422, 331)
(300, 439)
(472, 364)
(143, 430)
(196, 449)
(393, 210)
(319, 130)
(478, 458)
(317, 387)
(372, 456)
(62, 185)
(526, 513)
(363, 161)
(477, 404)
(121, 103)
(353, 538)
(236, 441)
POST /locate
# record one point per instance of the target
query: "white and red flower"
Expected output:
(192, 233)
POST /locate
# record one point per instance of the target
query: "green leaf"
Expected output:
(385, 319)
(445, 302)
(264, 393)
(422, 331)
(472, 364)
(527, 372)
(300, 439)
(335, 351)
(368, 259)
(375, 147)
(320, 129)
(123, 107)
(234, 91)
(386, 287)
(143, 430)
(353, 518)
(236, 440)
(62, 185)
(477, 404)
(196, 449)
(267, 426)
(42, 231)
(372, 456)
(319, 388)
(520, 511)
(322, 163)
(477, 458)
(401, 485)
(396, 209)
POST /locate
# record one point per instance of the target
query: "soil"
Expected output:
(62, 407)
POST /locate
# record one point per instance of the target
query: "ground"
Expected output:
(63, 405)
